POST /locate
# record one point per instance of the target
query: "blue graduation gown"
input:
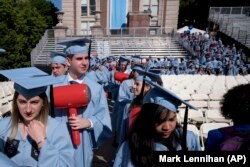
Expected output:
(123, 156)
(96, 111)
(91, 74)
(113, 85)
(57, 150)
(125, 95)
(233, 71)
(125, 91)
(98, 76)
(124, 124)
(6, 162)
(106, 72)
(102, 77)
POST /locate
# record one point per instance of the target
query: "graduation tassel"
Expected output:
(89, 51)
(142, 90)
(184, 137)
(52, 110)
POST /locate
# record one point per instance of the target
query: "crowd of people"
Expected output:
(211, 56)
(41, 132)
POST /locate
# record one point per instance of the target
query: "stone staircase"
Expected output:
(156, 46)
(144, 46)
(50, 45)
(40, 55)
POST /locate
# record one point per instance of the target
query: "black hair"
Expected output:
(236, 104)
(143, 136)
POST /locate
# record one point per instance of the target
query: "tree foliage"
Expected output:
(22, 24)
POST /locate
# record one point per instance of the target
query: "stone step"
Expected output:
(151, 46)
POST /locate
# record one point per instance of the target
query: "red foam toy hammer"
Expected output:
(72, 97)
(121, 76)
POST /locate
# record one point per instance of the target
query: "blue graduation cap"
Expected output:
(100, 60)
(113, 63)
(155, 71)
(141, 77)
(154, 77)
(149, 76)
(75, 46)
(111, 57)
(30, 81)
(123, 59)
(58, 57)
(159, 95)
(141, 73)
(2, 51)
(136, 59)
(138, 66)
(92, 63)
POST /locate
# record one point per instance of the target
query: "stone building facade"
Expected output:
(81, 15)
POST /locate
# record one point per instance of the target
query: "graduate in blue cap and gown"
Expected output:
(156, 129)
(125, 95)
(98, 72)
(91, 72)
(105, 73)
(150, 63)
(109, 60)
(93, 121)
(231, 69)
(101, 67)
(29, 137)
(135, 59)
(132, 109)
(122, 67)
(58, 63)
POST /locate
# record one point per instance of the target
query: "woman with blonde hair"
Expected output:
(29, 137)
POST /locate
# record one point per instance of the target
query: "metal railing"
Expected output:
(37, 50)
(126, 32)
(233, 21)
(229, 10)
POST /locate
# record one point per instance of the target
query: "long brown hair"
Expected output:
(16, 116)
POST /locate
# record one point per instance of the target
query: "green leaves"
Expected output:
(22, 24)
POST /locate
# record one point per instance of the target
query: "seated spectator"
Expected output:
(235, 106)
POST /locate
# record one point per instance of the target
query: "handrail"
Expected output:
(233, 21)
(36, 51)
(229, 10)
(126, 32)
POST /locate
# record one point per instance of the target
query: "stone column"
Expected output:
(97, 5)
(170, 16)
(60, 30)
(97, 29)
(136, 6)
